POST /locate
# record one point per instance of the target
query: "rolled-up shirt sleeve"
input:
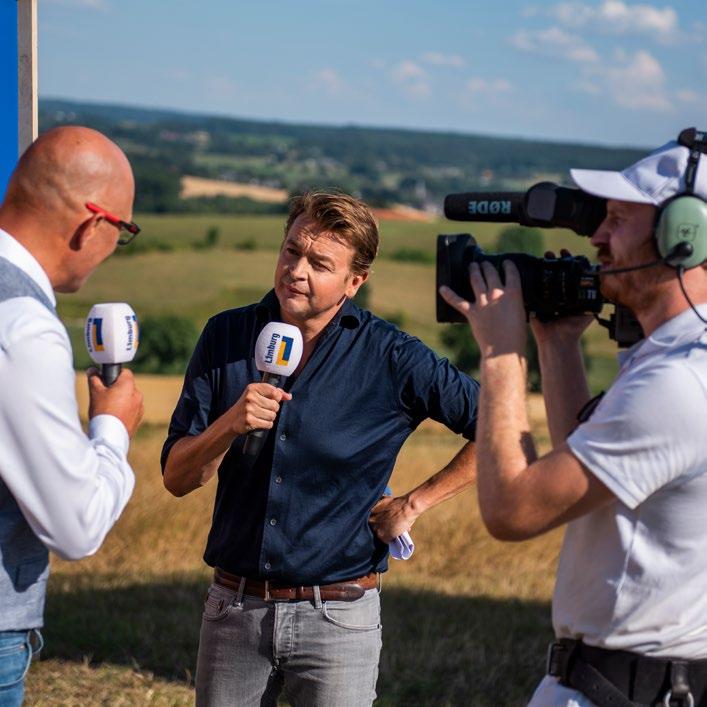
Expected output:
(70, 487)
(430, 386)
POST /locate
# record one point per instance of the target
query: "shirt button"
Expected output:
(267, 565)
(273, 521)
(278, 479)
(283, 437)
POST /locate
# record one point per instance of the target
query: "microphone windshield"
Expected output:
(278, 349)
(111, 333)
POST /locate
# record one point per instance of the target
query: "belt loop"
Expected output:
(317, 596)
(239, 594)
(36, 640)
(379, 582)
(266, 593)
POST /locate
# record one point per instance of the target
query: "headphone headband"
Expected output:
(696, 142)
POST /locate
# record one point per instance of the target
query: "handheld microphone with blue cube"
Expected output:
(278, 351)
(111, 335)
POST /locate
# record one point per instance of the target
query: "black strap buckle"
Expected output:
(559, 654)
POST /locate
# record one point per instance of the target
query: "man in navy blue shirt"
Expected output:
(299, 533)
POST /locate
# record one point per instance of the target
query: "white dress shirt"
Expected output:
(71, 488)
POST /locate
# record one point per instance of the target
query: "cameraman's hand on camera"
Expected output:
(497, 316)
(565, 331)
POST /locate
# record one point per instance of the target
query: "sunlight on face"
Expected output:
(313, 275)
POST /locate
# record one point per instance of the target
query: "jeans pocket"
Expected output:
(15, 657)
(360, 615)
(218, 603)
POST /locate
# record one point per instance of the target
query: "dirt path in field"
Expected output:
(198, 186)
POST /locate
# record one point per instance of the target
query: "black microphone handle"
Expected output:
(110, 372)
(494, 206)
(256, 438)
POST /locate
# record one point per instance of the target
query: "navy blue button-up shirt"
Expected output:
(299, 512)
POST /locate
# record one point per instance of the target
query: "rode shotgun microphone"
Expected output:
(278, 352)
(544, 205)
(111, 335)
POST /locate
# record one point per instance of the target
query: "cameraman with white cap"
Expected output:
(628, 474)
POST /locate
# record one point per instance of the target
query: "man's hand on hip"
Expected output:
(122, 399)
(391, 517)
(257, 408)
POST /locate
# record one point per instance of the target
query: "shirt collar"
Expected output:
(12, 250)
(347, 316)
(684, 326)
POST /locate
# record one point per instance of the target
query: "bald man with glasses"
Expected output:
(67, 206)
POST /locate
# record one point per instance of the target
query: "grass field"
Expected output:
(466, 620)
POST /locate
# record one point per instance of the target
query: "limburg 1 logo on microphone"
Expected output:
(284, 351)
(94, 331)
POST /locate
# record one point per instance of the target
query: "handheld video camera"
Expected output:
(552, 287)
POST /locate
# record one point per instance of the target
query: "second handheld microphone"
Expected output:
(111, 336)
(278, 351)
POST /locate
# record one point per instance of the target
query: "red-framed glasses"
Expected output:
(128, 229)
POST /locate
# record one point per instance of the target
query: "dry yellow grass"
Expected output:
(464, 620)
(160, 395)
(200, 186)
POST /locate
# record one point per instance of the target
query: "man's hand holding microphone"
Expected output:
(111, 336)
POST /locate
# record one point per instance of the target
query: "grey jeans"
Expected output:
(323, 654)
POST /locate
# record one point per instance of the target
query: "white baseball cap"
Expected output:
(652, 180)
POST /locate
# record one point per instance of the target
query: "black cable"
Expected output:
(614, 271)
(681, 270)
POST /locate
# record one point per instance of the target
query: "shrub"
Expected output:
(411, 255)
(166, 344)
(246, 244)
(212, 237)
(138, 246)
(363, 296)
(519, 239)
(465, 354)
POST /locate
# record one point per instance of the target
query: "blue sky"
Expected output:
(599, 71)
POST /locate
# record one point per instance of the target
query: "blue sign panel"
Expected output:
(9, 102)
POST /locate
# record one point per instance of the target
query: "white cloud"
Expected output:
(329, 81)
(407, 70)
(412, 79)
(690, 96)
(488, 86)
(638, 82)
(618, 17)
(438, 59)
(555, 42)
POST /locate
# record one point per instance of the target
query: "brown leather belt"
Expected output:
(350, 590)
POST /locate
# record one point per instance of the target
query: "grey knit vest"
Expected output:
(24, 561)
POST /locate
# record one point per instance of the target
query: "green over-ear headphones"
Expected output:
(681, 229)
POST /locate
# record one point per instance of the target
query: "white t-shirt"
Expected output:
(633, 574)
